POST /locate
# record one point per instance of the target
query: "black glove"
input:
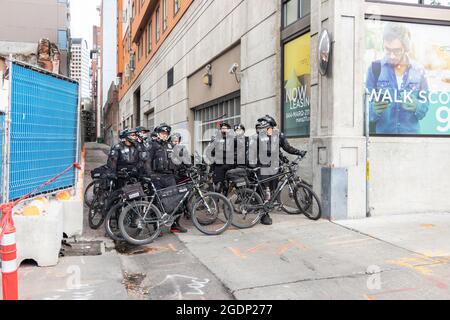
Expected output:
(303, 153)
(284, 159)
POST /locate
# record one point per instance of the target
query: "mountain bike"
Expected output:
(140, 222)
(250, 206)
(106, 192)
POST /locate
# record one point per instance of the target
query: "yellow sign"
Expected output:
(297, 85)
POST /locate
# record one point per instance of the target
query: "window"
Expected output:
(176, 6)
(294, 10)
(149, 36)
(228, 109)
(170, 78)
(164, 15)
(62, 39)
(158, 25)
(150, 120)
(139, 50)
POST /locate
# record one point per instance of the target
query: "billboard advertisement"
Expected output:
(297, 87)
(408, 78)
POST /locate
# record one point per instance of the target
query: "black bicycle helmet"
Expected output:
(225, 125)
(175, 136)
(239, 126)
(142, 130)
(268, 119)
(163, 127)
(126, 133)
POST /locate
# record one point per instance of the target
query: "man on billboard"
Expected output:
(395, 86)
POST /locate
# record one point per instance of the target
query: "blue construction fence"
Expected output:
(43, 130)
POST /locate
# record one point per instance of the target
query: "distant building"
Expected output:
(96, 75)
(108, 61)
(79, 66)
(25, 22)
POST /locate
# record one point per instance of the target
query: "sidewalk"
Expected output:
(393, 257)
(300, 259)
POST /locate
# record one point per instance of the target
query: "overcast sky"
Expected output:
(84, 15)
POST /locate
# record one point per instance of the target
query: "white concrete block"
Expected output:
(39, 237)
(72, 211)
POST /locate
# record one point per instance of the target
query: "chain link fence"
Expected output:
(43, 116)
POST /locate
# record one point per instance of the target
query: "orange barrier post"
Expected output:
(8, 250)
(9, 256)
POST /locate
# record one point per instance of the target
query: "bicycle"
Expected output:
(106, 194)
(209, 211)
(125, 198)
(250, 207)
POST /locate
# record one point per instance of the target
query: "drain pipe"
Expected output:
(367, 134)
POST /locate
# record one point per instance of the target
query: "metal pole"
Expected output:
(367, 133)
(7, 136)
(78, 137)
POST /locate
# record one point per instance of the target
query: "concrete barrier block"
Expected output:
(39, 237)
(73, 217)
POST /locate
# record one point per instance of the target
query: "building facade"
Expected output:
(80, 65)
(111, 116)
(96, 74)
(25, 22)
(108, 58)
(262, 57)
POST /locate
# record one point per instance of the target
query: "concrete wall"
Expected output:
(337, 121)
(409, 175)
(196, 40)
(31, 20)
(223, 83)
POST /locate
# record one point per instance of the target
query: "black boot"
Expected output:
(177, 228)
(266, 220)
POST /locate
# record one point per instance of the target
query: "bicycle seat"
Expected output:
(146, 180)
(254, 169)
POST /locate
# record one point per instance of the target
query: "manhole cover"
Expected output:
(82, 248)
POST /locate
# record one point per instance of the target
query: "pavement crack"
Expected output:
(355, 275)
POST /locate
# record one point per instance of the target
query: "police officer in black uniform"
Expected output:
(160, 168)
(221, 160)
(143, 134)
(126, 154)
(265, 128)
(241, 145)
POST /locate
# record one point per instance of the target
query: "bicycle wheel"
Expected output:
(96, 215)
(90, 192)
(139, 223)
(247, 208)
(212, 214)
(308, 202)
(287, 200)
(112, 221)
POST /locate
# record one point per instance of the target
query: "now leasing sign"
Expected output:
(297, 86)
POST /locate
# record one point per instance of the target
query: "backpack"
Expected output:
(376, 71)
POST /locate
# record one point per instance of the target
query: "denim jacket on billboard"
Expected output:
(396, 119)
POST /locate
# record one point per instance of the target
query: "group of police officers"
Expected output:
(152, 155)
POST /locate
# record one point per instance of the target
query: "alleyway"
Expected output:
(380, 258)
